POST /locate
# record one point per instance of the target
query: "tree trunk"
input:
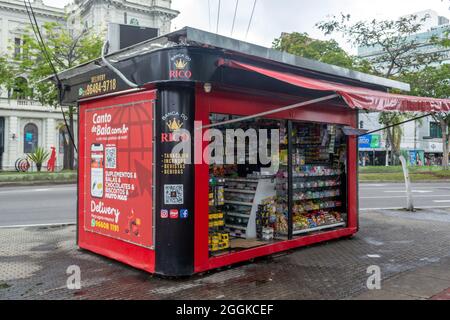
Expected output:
(66, 162)
(445, 144)
(391, 144)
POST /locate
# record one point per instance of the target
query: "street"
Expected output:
(36, 205)
(393, 196)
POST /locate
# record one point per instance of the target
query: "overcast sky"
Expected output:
(272, 17)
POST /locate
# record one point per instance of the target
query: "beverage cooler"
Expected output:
(175, 212)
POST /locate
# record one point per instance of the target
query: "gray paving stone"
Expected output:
(33, 263)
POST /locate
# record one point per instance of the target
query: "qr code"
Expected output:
(173, 194)
(111, 157)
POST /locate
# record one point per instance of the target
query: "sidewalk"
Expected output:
(428, 282)
(412, 251)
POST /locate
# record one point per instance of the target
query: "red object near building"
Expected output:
(52, 161)
(143, 204)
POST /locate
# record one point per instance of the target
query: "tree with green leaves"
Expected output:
(434, 82)
(398, 52)
(326, 51)
(66, 49)
(398, 49)
(6, 73)
(302, 45)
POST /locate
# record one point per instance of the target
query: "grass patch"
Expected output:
(393, 169)
(4, 285)
(395, 174)
(66, 175)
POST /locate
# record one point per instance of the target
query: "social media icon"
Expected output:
(164, 214)
(174, 214)
(183, 213)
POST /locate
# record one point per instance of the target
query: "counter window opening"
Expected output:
(256, 204)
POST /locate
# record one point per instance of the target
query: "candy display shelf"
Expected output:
(323, 227)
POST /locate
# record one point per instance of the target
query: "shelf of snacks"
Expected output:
(314, 195)
(331, 226)
(266, 218)
(308, 171)
(311, 205)
(309, 222)
(218, 238)
(308, 185)
(218, 242)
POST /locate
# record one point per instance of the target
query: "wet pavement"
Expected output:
(34, 260)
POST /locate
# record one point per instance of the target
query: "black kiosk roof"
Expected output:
(199, 52)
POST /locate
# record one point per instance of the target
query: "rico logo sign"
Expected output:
(180, 67)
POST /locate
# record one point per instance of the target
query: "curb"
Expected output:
(403, 182)
(36, 183)
(49, 225)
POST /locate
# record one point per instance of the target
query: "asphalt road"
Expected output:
(34, 205)
(393, 195)
(23, 206)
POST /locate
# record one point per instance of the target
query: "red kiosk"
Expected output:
(143, 205)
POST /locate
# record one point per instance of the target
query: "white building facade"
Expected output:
(421, 139)
(26, 124)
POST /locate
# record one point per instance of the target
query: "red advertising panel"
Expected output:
(118, 173)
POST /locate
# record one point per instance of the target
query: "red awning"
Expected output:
(355, 97)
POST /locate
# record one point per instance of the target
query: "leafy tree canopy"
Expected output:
(66, 50)
(398, 49)
(301, 44)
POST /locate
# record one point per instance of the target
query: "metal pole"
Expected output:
(258, 115)
(409, 198)
(290, 182)
(397, 124)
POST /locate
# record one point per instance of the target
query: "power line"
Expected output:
(209, 14)
(234, 18)
(218, 18)
(251, 18)
(41, 43)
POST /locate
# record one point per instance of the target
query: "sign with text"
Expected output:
(370, 141)
(118, 172)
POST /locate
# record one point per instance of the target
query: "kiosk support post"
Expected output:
(175, 183)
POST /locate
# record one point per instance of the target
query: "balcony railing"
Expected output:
(20, 102)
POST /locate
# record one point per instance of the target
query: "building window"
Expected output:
(125, 18)
(17, 45)
(30, 138)
(435, 130)
(25, 51)
(134, 22)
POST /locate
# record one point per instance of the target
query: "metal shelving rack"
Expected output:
(258, 189)
(292, 178)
